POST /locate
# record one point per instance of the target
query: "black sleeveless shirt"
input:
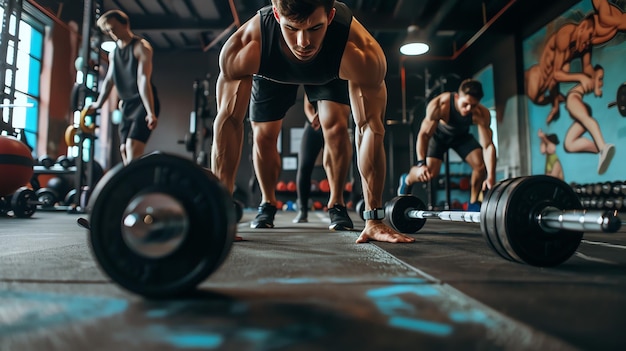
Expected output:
(276, 66)
(457, 124)
(125, 74)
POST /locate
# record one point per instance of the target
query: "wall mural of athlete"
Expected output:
(560, 70)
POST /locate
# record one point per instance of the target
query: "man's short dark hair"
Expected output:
(472, 87)
(300, 10)
(114, 14)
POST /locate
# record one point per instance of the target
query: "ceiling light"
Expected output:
(415, 43)
(108, 45)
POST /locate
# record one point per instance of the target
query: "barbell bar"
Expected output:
(537, 220)
(549, 218)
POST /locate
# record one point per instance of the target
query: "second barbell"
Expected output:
(537, 220)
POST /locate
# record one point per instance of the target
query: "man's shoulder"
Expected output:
(443, 98)
(244, 47)
(481, 115)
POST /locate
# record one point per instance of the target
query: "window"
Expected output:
(22, 72)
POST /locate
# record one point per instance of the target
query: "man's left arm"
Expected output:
(485, 135)
(368, 99)
(143, 52)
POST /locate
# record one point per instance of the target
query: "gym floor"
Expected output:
(302, 287)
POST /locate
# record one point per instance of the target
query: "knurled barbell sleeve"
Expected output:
(579, 220)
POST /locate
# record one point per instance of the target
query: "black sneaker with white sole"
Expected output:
(339, 219)
(265, 216)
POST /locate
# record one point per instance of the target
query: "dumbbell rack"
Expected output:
(52, 170)
(602, 195)
(48, 199)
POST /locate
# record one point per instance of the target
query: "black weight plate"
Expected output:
(360, 207)
(211, 225)
(238, 205)
(488, 219)
(518, 230)
(396, 213)
(24, 202)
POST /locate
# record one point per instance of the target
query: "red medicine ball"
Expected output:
(16, 165)
(324, 186)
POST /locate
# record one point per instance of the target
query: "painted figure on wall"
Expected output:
(569, 42)
(566, 58)
(581, 113)
(548, 148)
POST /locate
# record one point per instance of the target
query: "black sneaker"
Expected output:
(339, 219)
(265, 216)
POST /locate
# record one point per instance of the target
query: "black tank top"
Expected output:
(322, 69)
(457, 124)
(125, 74)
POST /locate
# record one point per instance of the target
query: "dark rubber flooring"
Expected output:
(302, 287)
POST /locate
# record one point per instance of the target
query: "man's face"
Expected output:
(466, 103)
(304, 39)
(113, 28)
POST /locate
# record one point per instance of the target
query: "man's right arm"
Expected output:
(105, 87)
(239, 60)
(428, 127)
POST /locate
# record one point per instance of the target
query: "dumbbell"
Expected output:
(160, 225)
(65, 161)
(46, 161)
(23, 202)
(537, 220)
(619, 188)
(4, 205)
(598, 189)
(47, 197)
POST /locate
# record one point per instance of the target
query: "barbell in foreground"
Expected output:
(537, 220)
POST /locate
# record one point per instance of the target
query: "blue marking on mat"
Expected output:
(473, 316)
(404, 315)
(194, 341)
(28, 311)
(395, 280)
(420, 325)
(191, 338)
(199, 336)
(420, 290)
(391, 301)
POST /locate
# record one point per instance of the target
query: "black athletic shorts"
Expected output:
(440, 143)
(270, 100)
(133, 124)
